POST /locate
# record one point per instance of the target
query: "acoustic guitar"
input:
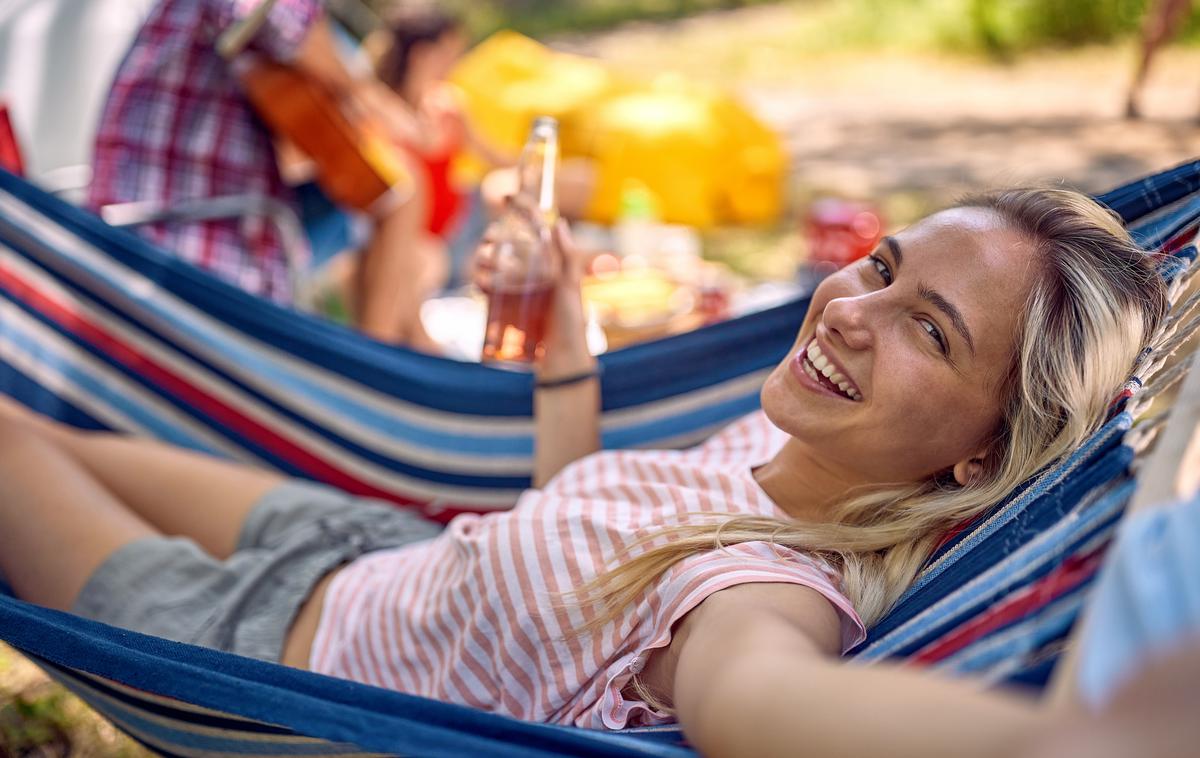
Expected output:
(356, 165)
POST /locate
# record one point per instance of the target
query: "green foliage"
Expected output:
(997, 28)
(539, 18)
(39, 719)
(34, 725)
(1003, 27)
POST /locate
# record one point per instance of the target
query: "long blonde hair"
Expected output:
(1085, 322)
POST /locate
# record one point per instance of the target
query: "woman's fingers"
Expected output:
(575, 260)
(483, 261)
(516, 248)
(563, 238)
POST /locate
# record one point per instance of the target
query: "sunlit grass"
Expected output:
(40, 719)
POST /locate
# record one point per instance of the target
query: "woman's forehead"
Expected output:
(968, 240)
(977, 261)
(967, 222)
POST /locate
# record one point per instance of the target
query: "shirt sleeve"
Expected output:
(280, 35)
(686, 584)
(1146, 600)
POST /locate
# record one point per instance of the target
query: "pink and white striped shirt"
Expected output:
(477, 616)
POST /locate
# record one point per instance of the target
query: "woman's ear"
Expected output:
(968, 471)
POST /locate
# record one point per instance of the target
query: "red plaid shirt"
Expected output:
(177, 127)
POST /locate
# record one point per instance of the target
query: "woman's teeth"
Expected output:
(816, 365)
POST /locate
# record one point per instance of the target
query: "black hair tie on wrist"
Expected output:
(564, 381)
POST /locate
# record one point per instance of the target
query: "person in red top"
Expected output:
(423, 47)
(420, 48)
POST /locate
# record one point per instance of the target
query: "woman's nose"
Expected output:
(849, 319)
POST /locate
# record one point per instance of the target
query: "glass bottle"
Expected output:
(522, 270)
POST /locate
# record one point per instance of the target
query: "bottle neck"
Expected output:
(538, 173)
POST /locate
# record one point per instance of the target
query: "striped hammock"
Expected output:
(103, 330)
(96, 324)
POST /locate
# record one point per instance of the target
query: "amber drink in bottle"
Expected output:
(521, 284)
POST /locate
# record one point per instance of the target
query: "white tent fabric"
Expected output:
(57, 59)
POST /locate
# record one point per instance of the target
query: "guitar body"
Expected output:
(356, 166)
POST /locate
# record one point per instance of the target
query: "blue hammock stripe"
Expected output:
(1142, 198)
(311, 406)
(1027, 512)
(1158, 230)
(1023, 644)
(1089, 527)
(172, 727)
(182, 700)
(174, 697)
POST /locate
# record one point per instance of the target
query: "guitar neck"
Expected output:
(234, 39)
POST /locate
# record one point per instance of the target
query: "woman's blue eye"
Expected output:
(881, 268)
(885, 273)
(935, 333)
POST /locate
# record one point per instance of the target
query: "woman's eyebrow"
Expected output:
(942, 304)
(894, 246)
(954, 314)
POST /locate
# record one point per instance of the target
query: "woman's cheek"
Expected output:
(906, 389)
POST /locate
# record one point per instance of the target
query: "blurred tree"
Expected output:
(541, 17)
(1075, 22)
(983, 27)
(999, 28)
(1003, 27)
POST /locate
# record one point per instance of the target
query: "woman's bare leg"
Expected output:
(57, 522)
(174, 491)
(1162, 21)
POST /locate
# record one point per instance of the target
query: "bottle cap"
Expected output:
(544, 124)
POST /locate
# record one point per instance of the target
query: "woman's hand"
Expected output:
(566, 416)
(567, 424)
(564, 341)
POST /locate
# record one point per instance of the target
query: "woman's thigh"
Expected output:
(57, 522)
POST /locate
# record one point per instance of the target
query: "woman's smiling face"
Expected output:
(895, 374)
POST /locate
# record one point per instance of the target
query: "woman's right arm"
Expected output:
(566, 398)
(754, 676)
(566, 416)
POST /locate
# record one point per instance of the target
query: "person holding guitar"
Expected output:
(187, 118)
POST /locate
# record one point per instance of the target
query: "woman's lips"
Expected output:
(806, 372)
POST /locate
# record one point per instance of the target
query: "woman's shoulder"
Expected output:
(760, 562)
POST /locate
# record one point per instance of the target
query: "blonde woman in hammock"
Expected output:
(717, 585)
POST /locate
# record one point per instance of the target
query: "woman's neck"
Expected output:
(801, 484)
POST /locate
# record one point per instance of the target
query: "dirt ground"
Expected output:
(926, 128)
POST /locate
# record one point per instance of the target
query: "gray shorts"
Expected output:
(295, 535)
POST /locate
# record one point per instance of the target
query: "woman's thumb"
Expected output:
(563, 238)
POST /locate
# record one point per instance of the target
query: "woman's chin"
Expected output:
(785, 409)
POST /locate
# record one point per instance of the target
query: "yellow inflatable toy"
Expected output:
(706, 159)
